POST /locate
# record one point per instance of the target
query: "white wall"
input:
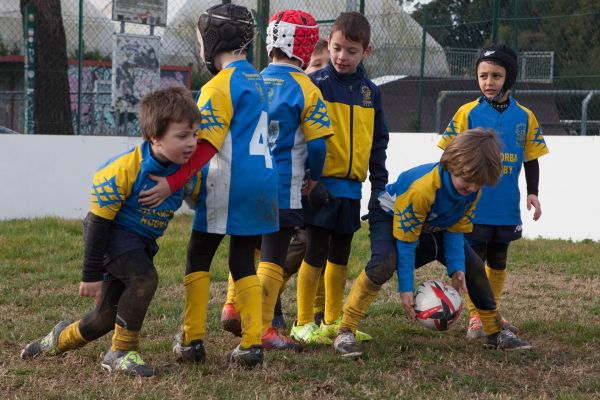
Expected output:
(51, 175)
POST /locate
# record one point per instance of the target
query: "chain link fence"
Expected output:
(423, 57)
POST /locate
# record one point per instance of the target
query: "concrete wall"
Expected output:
(51, 175)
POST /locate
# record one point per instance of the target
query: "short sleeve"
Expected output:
(216, 111)
(111, 187)
(535, 145)
(459, 123)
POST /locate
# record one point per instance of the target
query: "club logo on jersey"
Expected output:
(366, 94)
(407, 220)
(107, 193)
(450, 132)
(318, 115)
(538, 138)
(210, 120)
(521, 135)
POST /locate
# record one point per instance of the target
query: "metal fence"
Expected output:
(419, 52)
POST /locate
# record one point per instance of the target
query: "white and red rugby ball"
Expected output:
(437, 305)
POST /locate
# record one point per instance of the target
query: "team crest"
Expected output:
(521, 135)
(366, 94)
(407, 220)
(318, 115)
(106, 193)
(210, 119)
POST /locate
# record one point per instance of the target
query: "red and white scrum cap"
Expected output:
(295, 32)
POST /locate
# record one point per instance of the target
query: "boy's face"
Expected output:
(177, 144)
(346, 54)
(317, 61)
(463, 187)
(491, 78)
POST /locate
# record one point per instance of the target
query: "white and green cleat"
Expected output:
(128, 362)
(48, 345)
(310, 333)
(331, 331)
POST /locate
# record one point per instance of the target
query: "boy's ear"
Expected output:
(368, 51)
(154, 140)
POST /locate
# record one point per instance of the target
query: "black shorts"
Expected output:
(291, 218)
(341, 215)
(493, 233)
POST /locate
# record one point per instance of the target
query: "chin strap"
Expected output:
(497, 97)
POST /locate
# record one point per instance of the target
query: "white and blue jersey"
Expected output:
(522, 140)
(238, 195)
(298, 115)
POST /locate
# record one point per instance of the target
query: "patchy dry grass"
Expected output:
(552, 294)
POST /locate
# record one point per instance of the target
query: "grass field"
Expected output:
(553, 295)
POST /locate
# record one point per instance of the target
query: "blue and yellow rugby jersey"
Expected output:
(117, 184)
(424, 200)
(522, 140)
(238, 195)
(297, 115)
(360, 133)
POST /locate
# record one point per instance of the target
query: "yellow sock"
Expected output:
(230, 299)
(361, 295)
(271, 280)
(70, 338)
(249, 305)
(496, 278)
(125, 339)
(319, 305)
(471, 307)
(196, 290)
(490, 320)
(335, 282)
(308, 278)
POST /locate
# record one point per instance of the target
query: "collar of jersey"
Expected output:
(448, 186)
(345, 78)
(152, 165)
(286, 66)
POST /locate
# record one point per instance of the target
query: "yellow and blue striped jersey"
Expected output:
(297, 115)
(424, 200)
(360, 133)
(521, 137)
(116, 187)
(238, 194)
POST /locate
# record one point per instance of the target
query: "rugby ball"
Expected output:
(437, 305)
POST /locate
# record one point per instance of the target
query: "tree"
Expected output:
(52, 100)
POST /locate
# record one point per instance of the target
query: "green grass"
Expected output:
(551, 294)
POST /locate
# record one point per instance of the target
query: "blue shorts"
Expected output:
(341, 215)
(493, 233)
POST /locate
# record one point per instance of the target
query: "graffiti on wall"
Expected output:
(136, 70)
(97, 113)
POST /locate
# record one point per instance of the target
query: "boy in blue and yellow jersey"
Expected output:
(430, 207)
(359, 143)
(120, 235)
(498, 217)
(299, 125)
(238, 196)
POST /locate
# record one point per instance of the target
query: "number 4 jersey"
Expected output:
(238, 195)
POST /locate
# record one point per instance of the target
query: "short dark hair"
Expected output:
(277, 52)
(474, 155)
(320, 46)
(354, 26)
(161, 107)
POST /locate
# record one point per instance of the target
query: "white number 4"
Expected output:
(258, 143)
